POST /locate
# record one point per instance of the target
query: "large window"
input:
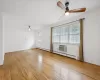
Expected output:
(67, 33)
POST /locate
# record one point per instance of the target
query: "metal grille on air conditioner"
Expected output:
(63, 48)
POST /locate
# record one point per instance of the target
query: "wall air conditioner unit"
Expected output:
(63, 48)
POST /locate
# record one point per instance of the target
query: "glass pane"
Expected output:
(68, 33)
(74, 39)
(64, 39)
(61, 31)
(56, 39)
(56, 31)
(74, 29)
(64, 30)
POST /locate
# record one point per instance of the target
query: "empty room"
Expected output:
(49, 40)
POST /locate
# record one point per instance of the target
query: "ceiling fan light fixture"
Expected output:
(66, 13)
(67, 10)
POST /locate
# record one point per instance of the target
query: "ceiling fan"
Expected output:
(66, 8)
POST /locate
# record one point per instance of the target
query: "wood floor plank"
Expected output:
(42, 65)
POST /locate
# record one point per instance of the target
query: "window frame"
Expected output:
(68, 34)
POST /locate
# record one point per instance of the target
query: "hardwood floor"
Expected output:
(41, 65)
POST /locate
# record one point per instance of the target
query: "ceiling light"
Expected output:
(67, 13)
(29, 28)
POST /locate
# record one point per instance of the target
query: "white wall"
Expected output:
(1, 35)
(91, 35)
(43, 38)
(1, 41)
(16, 35)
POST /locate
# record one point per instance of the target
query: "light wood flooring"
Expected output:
(41, 65)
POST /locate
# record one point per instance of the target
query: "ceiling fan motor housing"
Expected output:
(67, 4)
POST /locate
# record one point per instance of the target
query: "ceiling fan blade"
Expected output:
(77, 10)
(59, 4)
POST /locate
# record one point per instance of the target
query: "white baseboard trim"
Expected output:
(43, 49)
(18, 50)
(67, 55)
(1, 62)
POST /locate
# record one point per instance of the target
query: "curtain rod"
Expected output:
(69, 22)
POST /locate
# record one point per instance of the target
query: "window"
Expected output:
(56, 35)
(64, 35)
(74, 33)
(68, 33)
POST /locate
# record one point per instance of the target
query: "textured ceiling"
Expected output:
(43, 12)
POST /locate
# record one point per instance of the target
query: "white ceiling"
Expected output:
(43, 12)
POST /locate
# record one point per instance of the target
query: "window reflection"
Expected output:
(40, 62)
(66, 73)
